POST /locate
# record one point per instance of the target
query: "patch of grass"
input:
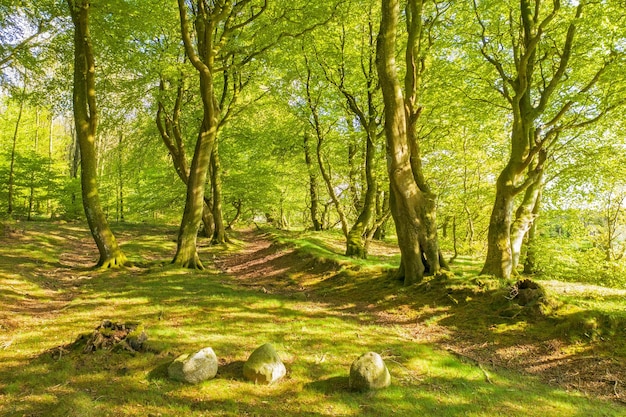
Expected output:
(318, 337)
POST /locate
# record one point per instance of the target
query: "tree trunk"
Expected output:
(530, 263)
(317, 224)
(319, 133)
(120, 177)
(203, 61)
(524, 218)
(219, 230)
(171, 134)
(412, 206)
(499, 259)
(86, 121)
(31, 196)
(237, 204)
(186, 251)
(356, 245)
(14, 148)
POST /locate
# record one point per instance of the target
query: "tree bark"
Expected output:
(203, 61)
(412, 205)
(14, 148)
(219, 229)
(530, 263)
(171, 134)
(31, 195)
(86, 121)
(525, 217)
(314, 208)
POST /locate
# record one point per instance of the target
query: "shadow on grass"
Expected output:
(186, 310)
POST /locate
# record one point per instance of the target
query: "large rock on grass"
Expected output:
(194, 368)
(369, 372)
(264, 366)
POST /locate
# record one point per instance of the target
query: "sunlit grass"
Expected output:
(318, 338)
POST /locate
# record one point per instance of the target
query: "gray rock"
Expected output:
(369, 372)
(194, 368)
(264, 366)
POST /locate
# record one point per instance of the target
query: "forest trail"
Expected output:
(588, 367)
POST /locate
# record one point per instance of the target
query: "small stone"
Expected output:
(369, 372)
(194, 368)
(264, 366)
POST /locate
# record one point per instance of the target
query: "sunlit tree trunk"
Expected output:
(412, 204)
(530, 263)
(13, 150)
(203, 61)
(31, 196)
(170, 130)
(314, 208)
(86, 121)
(539, 101)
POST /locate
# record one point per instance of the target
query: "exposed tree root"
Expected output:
(116, 261)
(192, 262)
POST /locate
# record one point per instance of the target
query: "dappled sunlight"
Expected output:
(318, 331)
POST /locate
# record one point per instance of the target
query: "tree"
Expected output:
(543, 89)
(86, 121)
(412, 202)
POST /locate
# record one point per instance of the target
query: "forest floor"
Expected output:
(579, 356)
(318, 307)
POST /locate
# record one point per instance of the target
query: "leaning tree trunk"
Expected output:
(499, 258)
(186, 251)
(86, 121)
(31, 195)
(170, 130)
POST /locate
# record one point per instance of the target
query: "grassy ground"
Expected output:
(319, 313)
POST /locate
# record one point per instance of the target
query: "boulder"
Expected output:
(264, 366)
(369, 372)
(194, 368)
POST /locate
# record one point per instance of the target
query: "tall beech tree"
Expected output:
(411, 200)
(215, 26)
(538, 80)
(86, 122)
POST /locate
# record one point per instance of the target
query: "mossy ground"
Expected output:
(320, 310)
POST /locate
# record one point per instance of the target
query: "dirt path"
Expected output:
(272, 268)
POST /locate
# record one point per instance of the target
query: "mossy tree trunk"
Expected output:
(530, 262)
(526, 214)
(86, 122)
(542, 104)
(170, 130)
(203, 60)
(314, 207)
(358, 237)
(412, 204)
